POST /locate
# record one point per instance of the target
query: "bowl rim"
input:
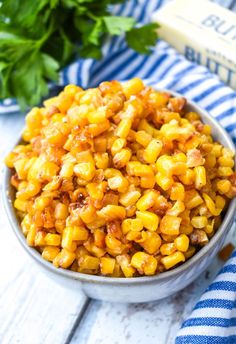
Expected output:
(97, 279)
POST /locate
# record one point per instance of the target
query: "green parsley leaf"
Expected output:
(143, 38)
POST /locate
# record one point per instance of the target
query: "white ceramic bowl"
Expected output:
(137, 289)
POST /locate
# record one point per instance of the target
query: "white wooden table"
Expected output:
(36, 310)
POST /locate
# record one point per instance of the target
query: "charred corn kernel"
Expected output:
(112, 212)
(87, 213)
(190, 252)
(188, 178)
(165, 165)
(123, 128)
(182, 242)
(85, 170)
(177, 192)
(199, 221)
(146, 201)
(64, 258)
(145, 126)
(100, 144)
(121, 158)
(177, 208)
(118, 183)
(117, 145)
(67, 170)
(61, 211)
(107, 265)
(226, 161)
(67, 238)
(129, 198)
(50, 252)
(101, 160)
(141, 170)
(210, 204)
(192, 199)
(223, 186)
(98, 116)
(167, 249)
(220, 202)
(210, 160)
(165, 182)
(149, 220)
(200, 176)
(143, 138)
(152, 151)
(79, 233)
(95, 191)
(89, 262)
(152, 242)
(144, 263)
(124, 262)
(224, 171)
(132, 87)
(31, 235)
(186, 229)
(147, 182)
(132, 225)
(52, 239)
(172, 260)
(170, 225)
(20, 204)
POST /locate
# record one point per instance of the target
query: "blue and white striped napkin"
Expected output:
(214, 317)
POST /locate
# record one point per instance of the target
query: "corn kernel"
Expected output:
(172, 260)
(50, 252)
(147, 182)
(223, 186)
(132, 225)
(132, 87)
(182, 242)
(177, 192)
(124, 262)
(121, 158)
(52, 239)
(64, 258)
(167, 249)
(117, 145)
(143, 138)
(118, 183)
(144, 263)
(152, 242)
(200, 176)
(112, 212)
(107, 265)
(123, 128)
(129, 198)
(146, 201)
(85, 170)
(149, 220)
(152, 151)
(170, 225)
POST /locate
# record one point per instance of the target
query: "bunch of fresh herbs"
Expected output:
(39, 37)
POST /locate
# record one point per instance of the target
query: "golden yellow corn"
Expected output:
(172, 260)
(146, 201)
(177, 192)
(147, 182)
(132, 225)
(107, 265)
(152, 242)
(89, 262)
(170, 225)
(117, 145)
(167, 249)
(112, 212)
(124, 262)
(152, 151)
(129, 198)
(143, 138)
(165, 182)
(50, 252)
(223, 186)
(101, 160)
(182, 242)
(149, 220)
(85, 170)
(123, 128)
(200, 176)
(121, 158)
(144, 263)
(64, 258)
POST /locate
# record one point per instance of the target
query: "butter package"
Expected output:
(202, 31)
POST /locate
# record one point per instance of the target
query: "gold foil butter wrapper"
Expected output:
(205, 33)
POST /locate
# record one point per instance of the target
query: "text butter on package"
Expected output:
(204, 32)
